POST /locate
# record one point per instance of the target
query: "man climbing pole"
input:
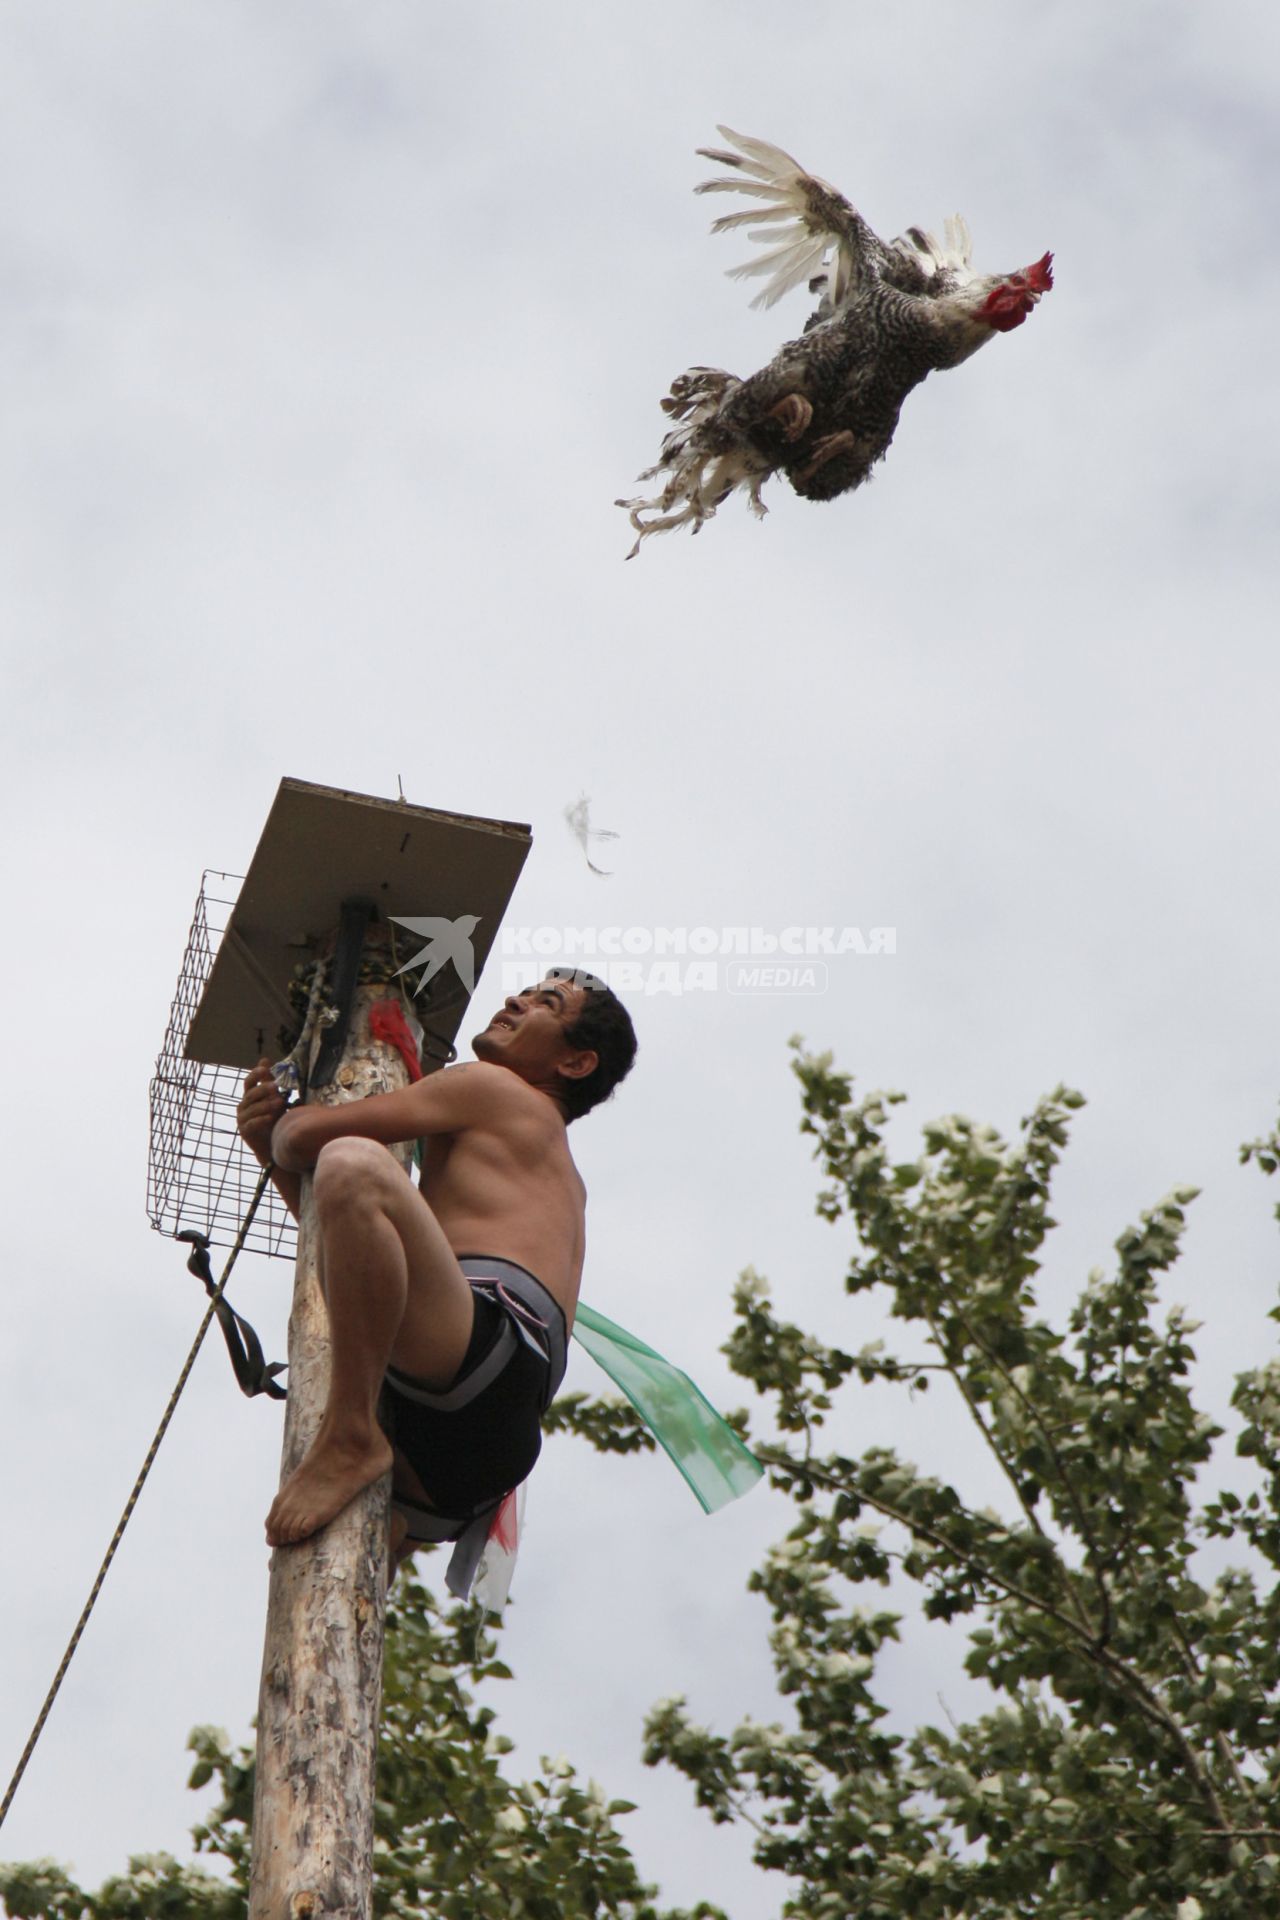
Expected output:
(457, 1299)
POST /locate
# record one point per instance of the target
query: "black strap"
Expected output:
(353, 924)
(252, 1372)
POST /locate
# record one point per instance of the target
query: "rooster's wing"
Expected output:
(815, 235)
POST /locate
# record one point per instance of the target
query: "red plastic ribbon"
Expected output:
(388, 1024)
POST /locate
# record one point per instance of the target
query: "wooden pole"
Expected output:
(319, 1703)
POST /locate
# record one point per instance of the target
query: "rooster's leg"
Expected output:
(793, 414)
(826, 449)
(770, 409)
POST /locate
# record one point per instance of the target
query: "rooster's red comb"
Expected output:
(1040, 277)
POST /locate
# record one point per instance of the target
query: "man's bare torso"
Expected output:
(510, 1188)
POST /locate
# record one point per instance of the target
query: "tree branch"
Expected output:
(1089, 1644)
(1082, 1518)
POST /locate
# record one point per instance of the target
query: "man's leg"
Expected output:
(394, 1292)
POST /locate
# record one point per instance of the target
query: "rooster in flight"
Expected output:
(826, 407)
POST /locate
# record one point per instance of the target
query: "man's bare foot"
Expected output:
(793, 414)
(826, 449)
(332, 1472)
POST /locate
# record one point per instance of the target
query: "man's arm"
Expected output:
(259, 1109)
(444, 1102)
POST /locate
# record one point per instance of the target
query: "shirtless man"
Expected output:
(458, 1298)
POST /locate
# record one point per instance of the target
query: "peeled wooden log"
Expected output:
(320, 1698)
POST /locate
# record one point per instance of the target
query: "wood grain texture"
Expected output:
(320, 1696)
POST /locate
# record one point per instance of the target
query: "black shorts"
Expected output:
(477, 1439)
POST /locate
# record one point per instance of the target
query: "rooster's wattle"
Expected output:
(825, 408)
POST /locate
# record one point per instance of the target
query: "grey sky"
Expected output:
(328, 336)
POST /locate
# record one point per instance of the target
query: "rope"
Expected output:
(132, 1501)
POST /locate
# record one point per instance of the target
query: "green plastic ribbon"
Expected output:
(705, 1448)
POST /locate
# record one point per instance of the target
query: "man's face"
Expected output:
(528, 1033)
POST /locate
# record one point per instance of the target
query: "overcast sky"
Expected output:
(328, 336)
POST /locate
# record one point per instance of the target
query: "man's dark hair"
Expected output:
(604, 1027)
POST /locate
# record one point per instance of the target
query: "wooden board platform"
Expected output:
(319, 847)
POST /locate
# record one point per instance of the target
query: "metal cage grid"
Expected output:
(199, 1172)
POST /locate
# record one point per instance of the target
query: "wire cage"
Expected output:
(199, 1172)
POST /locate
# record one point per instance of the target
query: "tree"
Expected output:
(454, 1836)
(1130, 1762)
(1129, 1765)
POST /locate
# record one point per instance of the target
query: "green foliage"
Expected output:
(156, 1887)
(455, 1838)
(609, 1424)
(1129, 1764)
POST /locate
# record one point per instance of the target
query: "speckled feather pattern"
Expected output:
(825, 408)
